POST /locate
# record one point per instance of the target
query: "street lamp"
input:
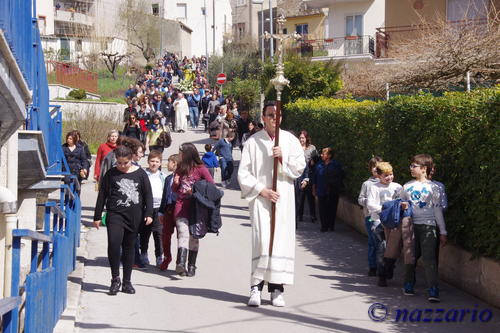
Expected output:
(261, 2)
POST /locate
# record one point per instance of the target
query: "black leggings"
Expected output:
(120, 238)
(328, 210)
(156, 228)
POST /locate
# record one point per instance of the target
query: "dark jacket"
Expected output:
(77, 159)
(204, 210)
(168, 197)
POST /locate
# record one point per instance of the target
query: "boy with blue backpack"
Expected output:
(427, 217)
(378, 193)
(210, 159)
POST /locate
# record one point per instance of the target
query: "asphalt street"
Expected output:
(332, 292)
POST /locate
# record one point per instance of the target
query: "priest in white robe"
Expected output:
(181, 111)
(255, 176)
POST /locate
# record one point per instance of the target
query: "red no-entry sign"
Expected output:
(221, 78)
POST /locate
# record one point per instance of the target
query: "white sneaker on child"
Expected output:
(277, 298)
(254, 297)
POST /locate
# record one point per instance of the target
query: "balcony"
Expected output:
(72, 16)
(350, 47)
(327, 3)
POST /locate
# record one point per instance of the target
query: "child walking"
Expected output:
(210, 160)
(157, 180)
(378, 193)
(427, 217)
(166, 211)
(126, 192)
(224, 148)
(188, 172)
(363, 196)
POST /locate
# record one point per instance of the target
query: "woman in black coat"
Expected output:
(76, 158)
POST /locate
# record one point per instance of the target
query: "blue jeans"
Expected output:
(372, 246)
(226, 168)
(193, 116)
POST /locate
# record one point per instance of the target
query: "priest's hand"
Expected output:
(277, 152)
(270, 195)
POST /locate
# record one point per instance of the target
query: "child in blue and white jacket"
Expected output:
(427, 216)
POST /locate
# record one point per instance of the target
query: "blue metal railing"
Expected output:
(19, 25)
(16, 21)
(46, 284)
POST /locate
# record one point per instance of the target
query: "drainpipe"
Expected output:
(8, 210)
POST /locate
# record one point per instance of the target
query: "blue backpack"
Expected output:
(391, 216)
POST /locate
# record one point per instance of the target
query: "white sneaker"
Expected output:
(254, 297)
(277, 298)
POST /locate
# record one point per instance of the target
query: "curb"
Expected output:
(66, 323)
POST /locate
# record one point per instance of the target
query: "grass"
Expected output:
(109, 89)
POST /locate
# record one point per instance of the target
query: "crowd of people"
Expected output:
(136, 203)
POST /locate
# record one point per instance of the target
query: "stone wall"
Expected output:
(104, 110)
(478, 276)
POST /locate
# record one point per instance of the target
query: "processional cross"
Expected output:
(279, 82)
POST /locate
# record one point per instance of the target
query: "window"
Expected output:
(42, 24)
(459, 10)
(354, 25)
(240, 3)
(241, 30)
(302, 29)
(181, 11)
(78, 45)
(156, 9)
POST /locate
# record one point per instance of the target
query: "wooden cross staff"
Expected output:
(279, 82)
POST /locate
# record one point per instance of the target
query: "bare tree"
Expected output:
(143, 28)
(435, 55)
(112, 60)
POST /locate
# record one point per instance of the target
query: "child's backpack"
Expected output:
(391, 215)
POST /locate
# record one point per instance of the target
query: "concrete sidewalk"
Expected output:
(331, 291)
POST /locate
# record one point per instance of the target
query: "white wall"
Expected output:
(241, 15)
(46, 8)
(196, 21)
(373, 16)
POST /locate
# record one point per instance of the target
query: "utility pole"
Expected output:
(213, 27)
(271, 42)
(204, 10)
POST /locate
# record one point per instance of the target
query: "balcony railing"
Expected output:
(73, 17)
(338, 47)
(388, 39)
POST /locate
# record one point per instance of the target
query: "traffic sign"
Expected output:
(221, 78)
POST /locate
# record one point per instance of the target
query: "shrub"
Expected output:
(148, 67)
(307, 79)
(459, 130)
(78, 94)
(245, 92)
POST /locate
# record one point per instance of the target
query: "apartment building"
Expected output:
(364, 30)
(209, 23)
(71, 29)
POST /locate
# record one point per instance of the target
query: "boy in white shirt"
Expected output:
(363, 195)
(427, 216)
(157, 180)
(378, 193)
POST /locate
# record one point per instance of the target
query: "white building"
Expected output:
(350, 28)
(208, 30)
(71, 29)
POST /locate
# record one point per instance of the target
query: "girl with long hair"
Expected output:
(189, 170)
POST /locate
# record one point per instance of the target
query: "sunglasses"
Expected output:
(413, 166)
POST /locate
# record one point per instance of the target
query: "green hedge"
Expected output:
(460, 130)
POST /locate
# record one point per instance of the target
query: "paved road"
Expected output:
(331, 292)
